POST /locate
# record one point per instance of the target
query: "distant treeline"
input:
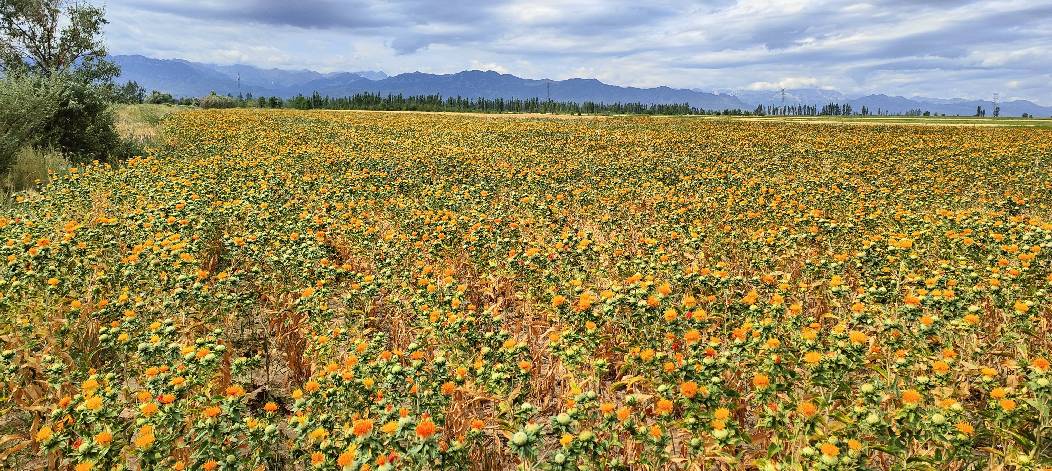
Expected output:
(397, 102)
(832, 109)
(132, 92)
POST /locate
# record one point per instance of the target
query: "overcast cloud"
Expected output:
(933, 48)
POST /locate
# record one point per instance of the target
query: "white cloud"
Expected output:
(788, 82)
(478, 65)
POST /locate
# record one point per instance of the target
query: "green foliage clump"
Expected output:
(217, 101)
(58, 112)
(48, 37)
(159, 98)
(131, 93)
(26, 106)
(83, 126)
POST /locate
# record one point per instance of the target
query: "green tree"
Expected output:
(160, 98)
(129, 93)
(50, 37)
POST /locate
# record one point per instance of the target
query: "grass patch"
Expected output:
(140, 125)
(31, 168)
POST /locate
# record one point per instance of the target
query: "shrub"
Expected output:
(26, 105)
(83, 127)
(217, 101)
(58, 112)
(159, 98)
(131, 93)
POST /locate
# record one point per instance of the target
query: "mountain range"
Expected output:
(184, 78)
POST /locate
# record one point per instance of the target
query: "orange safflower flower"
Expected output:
(911, 396)
(145, 438)
(235, 391)
(362, 427)
(448, 388)
(104, 438)
(93, 403)
(426, 428)
(346, 458)
(663, 407)
(44, 434)
(148, 409)
(750, 298)
(812, 358)
(670, 315)
(807, 409)
(688, 389)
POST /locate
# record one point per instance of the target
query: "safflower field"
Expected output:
(364, 291)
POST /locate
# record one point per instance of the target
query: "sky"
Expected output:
(925, 48)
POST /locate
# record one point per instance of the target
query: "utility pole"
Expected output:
(548, 86)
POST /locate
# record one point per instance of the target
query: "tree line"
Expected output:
(398, 102)
(832, 109)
